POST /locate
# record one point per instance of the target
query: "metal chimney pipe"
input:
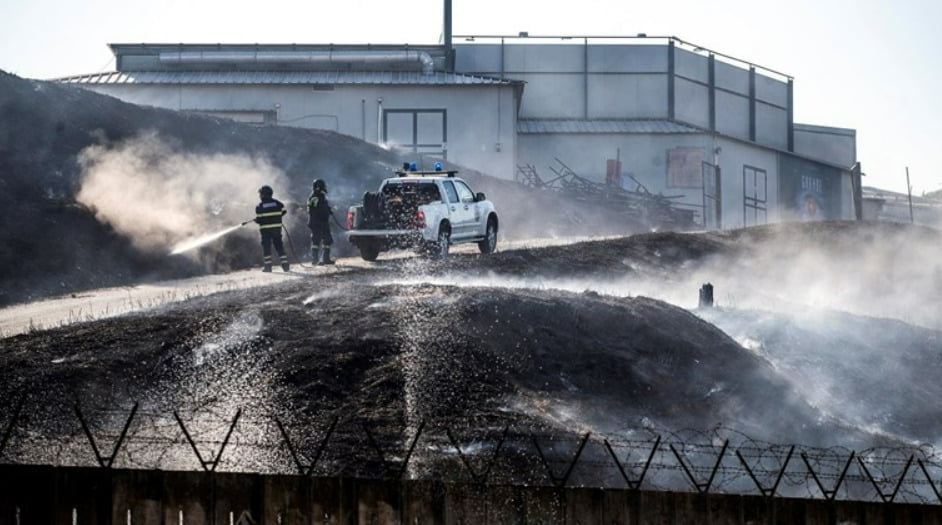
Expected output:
(449, 52)
(447, 28)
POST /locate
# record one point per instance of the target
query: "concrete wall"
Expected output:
(739, 161)
(631, 81)
(645, 156)
(480, 120)
(642, 156)
(836, 146)
(602, 81)
(577, 81)
(747, 172)
(46, 495)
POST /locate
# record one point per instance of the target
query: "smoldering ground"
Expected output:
(844, 312)
(394, 357)
(810, 362)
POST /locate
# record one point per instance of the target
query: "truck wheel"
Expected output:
(439, 248)
(489, 243)
(369, 251)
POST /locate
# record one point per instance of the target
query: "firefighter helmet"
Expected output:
(266, 190)
(320, 185)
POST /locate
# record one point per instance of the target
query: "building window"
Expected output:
(417, 131)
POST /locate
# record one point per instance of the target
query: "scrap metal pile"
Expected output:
(639, 206)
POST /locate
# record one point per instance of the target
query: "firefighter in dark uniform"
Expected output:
(268, 215)
(319, 213)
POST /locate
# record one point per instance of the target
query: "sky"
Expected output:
(866, 65)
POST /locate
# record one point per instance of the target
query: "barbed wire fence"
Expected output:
(486, 452)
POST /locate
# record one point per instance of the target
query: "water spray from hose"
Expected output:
(196, 242)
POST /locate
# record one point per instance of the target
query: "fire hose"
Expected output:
(337, 222)
(291, 242)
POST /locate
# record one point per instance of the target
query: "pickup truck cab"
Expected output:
(423, 210)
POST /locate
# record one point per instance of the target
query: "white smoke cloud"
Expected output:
(847, 313)
(158, 196)
(878, 270)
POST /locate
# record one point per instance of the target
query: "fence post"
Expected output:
(768, 492)
(634, 485)
(702, 488)
(561, 482)
(887, 498)
(828, 494)
(215, 461)
(105, 461)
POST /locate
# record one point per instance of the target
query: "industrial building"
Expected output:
(647, 114)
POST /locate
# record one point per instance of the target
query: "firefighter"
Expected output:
(319, 214)
(268, 215)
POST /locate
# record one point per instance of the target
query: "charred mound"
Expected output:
(391, 358)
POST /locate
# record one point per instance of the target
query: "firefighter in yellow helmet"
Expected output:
(268, 216)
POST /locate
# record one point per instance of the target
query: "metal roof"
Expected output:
(534, 126)
(287, 77)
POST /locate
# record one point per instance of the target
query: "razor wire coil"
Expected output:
(718, 460)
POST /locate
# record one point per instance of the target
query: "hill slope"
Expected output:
(95, 191)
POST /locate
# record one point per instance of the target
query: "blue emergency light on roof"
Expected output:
(414, 166)
(438, 166)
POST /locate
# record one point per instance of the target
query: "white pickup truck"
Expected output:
(423, 210)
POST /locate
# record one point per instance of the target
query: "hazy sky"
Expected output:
(868, 65)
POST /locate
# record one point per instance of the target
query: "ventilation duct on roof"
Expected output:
(300, 57)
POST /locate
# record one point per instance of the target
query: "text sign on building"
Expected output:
(809, 190)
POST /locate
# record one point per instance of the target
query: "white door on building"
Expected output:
(712, 197)
(755, 196)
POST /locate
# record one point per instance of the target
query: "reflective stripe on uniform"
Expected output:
(269, 226)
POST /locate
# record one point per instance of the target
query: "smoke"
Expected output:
(874, 270)
(158, 196)
(878, 270)
(871, 374)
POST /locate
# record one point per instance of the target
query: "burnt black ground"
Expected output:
(383, 348)
(390, 357)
